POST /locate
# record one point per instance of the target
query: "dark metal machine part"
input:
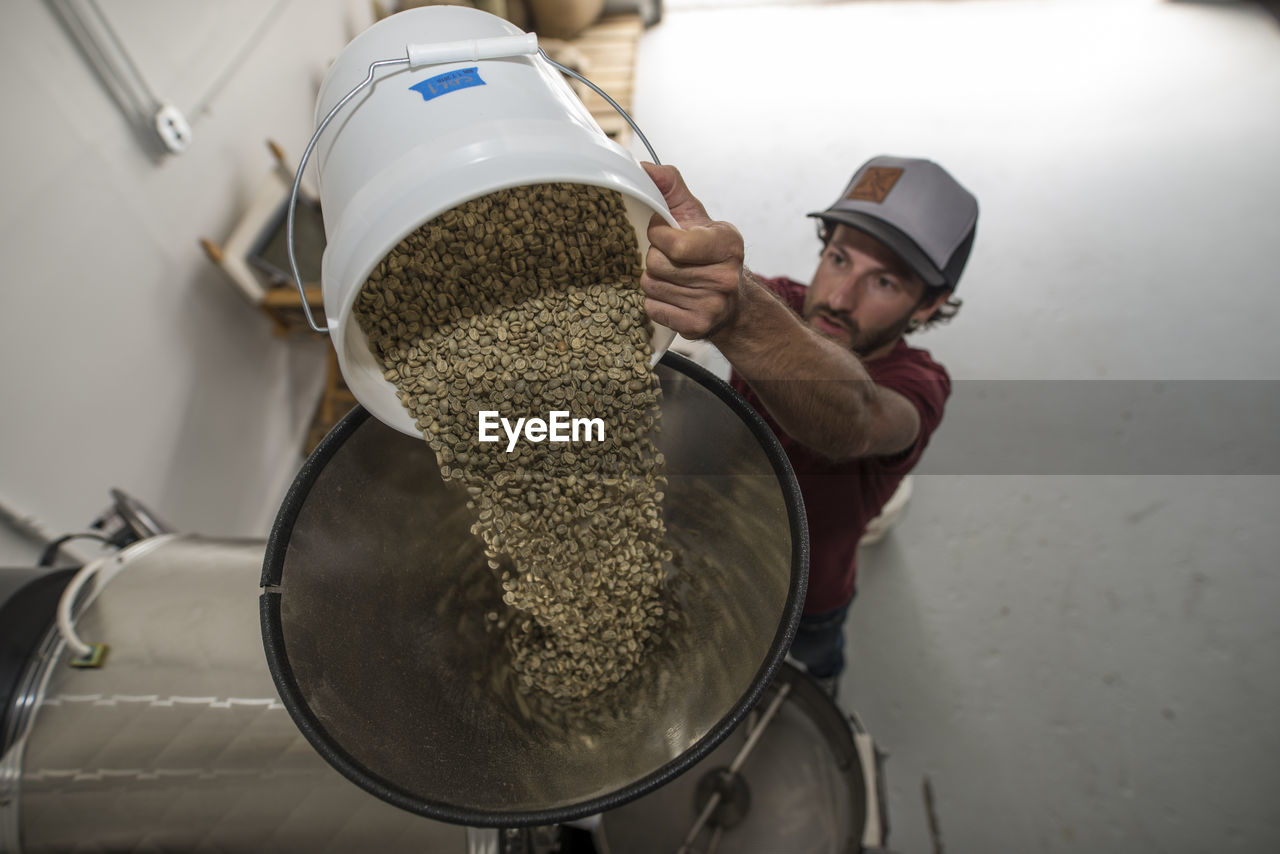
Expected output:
(28, 605)
(373, 622)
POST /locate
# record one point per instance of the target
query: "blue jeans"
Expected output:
(819, 643)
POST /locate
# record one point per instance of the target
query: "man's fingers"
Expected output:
(684, 206)
(675, 294)
(714, 243)
(719, 279)
(691, 324)
(694, 312)
(692, 273)
(664, 314)
(663, 177)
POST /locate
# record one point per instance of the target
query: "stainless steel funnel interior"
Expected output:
(802, 787)
(373, 620)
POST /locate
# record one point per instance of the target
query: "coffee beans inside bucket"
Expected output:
(525, 302)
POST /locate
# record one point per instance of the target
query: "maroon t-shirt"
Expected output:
(841, 498)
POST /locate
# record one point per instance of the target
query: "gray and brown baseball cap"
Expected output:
(916, 209)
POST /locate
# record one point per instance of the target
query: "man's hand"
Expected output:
(693, 274)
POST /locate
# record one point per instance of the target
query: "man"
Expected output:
(852, 404)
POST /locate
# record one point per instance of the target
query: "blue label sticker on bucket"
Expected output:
(450, 81)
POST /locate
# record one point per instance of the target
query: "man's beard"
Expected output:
(862, 342)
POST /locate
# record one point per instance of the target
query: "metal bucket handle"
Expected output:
(416, 56)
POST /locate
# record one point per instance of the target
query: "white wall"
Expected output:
(1077, 645)
(129, 359)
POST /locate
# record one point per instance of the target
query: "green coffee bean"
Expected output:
(523, 301)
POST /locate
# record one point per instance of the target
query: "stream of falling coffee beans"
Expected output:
(524, 302)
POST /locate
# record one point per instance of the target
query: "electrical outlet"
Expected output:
(173, 128)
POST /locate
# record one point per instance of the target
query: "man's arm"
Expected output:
(817, 391)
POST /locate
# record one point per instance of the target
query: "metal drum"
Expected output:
(178, 742)
(792, 777)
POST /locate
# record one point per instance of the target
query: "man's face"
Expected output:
(862, 296)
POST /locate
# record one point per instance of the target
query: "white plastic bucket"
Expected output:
(395, 158)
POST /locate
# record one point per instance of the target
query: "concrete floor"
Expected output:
(1070, 633)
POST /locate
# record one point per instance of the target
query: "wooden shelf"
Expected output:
(336, 401)
(609, 48)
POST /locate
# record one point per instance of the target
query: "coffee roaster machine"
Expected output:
(326, 690)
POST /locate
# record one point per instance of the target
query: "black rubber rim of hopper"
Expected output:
(25, 619)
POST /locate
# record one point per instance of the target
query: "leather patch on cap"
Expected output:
(875, 184)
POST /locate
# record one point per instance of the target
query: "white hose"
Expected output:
(65, 625)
